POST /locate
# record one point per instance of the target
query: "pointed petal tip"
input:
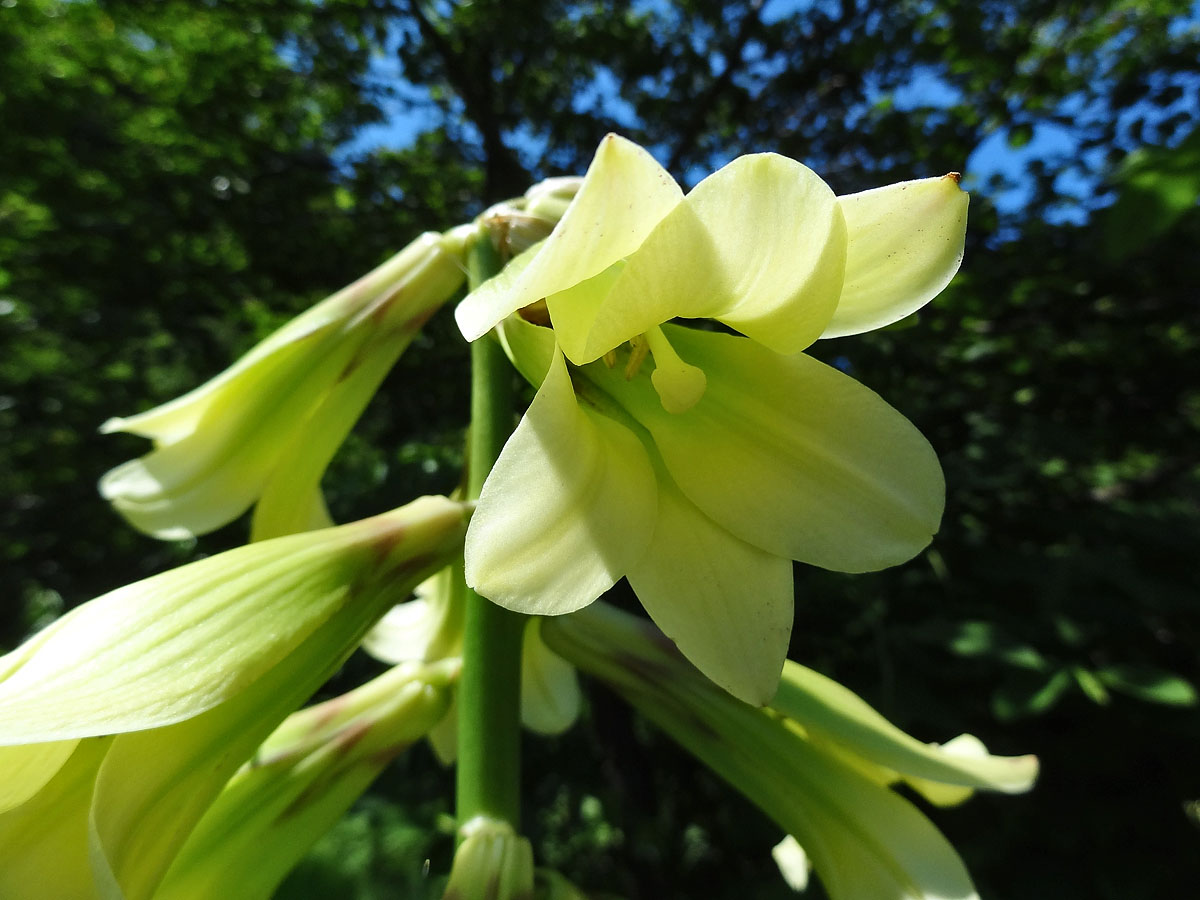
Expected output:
(956, 177)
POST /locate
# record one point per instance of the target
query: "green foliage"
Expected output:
(175, 184)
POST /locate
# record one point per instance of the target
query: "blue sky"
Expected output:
(411, 112)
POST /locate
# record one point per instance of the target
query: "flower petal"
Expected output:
(426, 628)
(725, 604)
(905, 244)
(793, 456)
(286, 502)
(176, 645)
(28, 767)
(155, 785)
(550, 696)
(298, 785)
(866, 842)
(623, 196)
(212, 475)
(530, 348)
(831, 711)
(43, 842)
(759, 245)
(566, 510)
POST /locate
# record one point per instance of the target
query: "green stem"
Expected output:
(489, 693)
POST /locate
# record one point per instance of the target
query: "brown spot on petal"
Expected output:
(955, 176)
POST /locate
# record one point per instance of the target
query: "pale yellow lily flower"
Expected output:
(695, 463)
(818, 761)
(263, 432)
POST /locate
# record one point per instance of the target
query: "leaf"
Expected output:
(1148, 683)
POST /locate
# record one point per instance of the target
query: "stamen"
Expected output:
(679, 385)
(639, 348)
(610, 358)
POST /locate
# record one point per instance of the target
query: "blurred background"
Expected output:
(178, 178)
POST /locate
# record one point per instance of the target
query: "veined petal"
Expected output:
(216, 446)
(623, 196)
(175, 645)
(726, 604)
(155, 785)
(429, 264)
(285, 504)
(834, 712)
(301, 781)
(793, 456)
(905, 244)
(866, 842)
(566, 510)
(550, 696)
(196, 484)
(759, 245)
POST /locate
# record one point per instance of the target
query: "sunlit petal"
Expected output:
(43, 842)
(905, 244)
(726, 604)
(830, 710)
(27, 768)
(566, 510)
(622, 198)
(175, 645)
(759, 245)
(793, 456)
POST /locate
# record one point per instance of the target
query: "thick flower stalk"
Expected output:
(127, 716)
(263, 432)
(695, 462)
(818, 761)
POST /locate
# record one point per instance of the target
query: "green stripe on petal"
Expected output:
(305, 776)
(285, 505)
(213, 474)
(793, 456)
(866, 842)
(905, 244)
(725, 604)
(829, 710)
(566, 510)
(217, 446)
(175, 645)
(759, 244)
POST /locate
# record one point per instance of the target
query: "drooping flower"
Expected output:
(263, 432)
(699, 464)
(818, 761)
(133, 710)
